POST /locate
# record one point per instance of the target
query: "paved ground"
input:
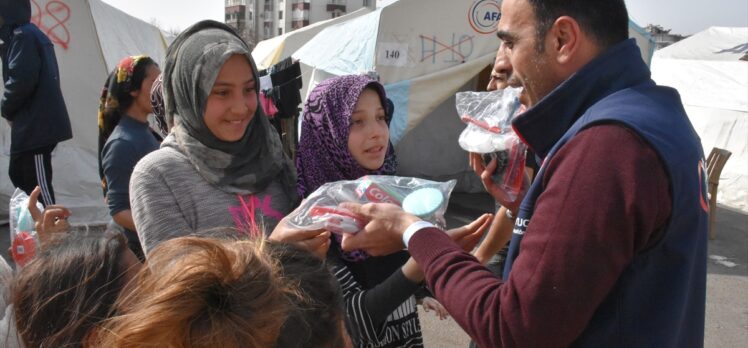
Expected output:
(727, 280)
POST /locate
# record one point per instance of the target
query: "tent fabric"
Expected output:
(645, 41)
(713, 44)
(112, 23)
(706, 68)
(271, 51)
(713, 83)
(353, 52)
(90, 37)
(429, 91)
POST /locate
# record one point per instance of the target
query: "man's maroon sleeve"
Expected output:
(606, 198)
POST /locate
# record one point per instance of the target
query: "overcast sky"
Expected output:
(682, 16)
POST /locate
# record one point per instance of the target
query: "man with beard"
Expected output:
(609, 242)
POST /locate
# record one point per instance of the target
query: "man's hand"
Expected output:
(315, 241)
(469, 235)
(430, 303)
(485, 173)
(383, 234)
(53, 220)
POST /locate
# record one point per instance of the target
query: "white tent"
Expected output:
(271, 51)
(90, 38)
(712, 80)
(423, 54)
(645, 41)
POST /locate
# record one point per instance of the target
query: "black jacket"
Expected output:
(31, 97)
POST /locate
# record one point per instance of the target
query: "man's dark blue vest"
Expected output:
(659, 298)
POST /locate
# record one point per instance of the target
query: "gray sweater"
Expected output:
(170, 199)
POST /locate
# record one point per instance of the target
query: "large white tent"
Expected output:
(423, 54)
(271, 51)
(90, 38)
(712, 80)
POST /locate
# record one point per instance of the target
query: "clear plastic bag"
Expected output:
(423, 198)
(23, 236)
(488, 116)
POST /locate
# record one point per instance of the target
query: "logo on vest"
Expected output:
(484, 15)
(520, 226)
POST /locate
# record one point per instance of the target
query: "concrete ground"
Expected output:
(727, 279)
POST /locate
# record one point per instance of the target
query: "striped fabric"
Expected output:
(401, 328)
(41, 178)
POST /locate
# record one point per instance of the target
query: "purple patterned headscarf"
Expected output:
(323, 154)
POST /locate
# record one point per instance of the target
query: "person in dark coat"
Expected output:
(31, 100)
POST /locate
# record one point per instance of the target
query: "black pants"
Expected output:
(33, 168)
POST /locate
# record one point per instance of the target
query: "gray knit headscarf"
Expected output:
(246, 166)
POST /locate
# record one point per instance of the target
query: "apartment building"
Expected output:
(257, 20)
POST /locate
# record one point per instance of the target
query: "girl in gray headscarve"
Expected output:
(222, 165)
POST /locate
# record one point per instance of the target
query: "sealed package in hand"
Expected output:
(488, 116)
(423, 198)
(23, 238)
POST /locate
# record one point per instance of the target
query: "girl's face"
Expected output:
(369, 135)
(143, 95)
(232, 101)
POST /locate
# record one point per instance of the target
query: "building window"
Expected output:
(250, 15)
(280, 31)
(280, 15)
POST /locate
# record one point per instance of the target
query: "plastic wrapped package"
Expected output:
(423, 198)
(23, 236)
(488, 116)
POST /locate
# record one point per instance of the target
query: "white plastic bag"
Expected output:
(423, 198)
(488, 116)
(23, 236)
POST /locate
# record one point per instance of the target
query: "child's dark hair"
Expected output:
(68, 289)
(317, 315)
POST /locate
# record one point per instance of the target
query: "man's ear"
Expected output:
(566, 35)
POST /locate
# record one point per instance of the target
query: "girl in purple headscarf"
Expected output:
(345, 135)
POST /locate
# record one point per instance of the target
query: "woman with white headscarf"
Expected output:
(222, 165)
